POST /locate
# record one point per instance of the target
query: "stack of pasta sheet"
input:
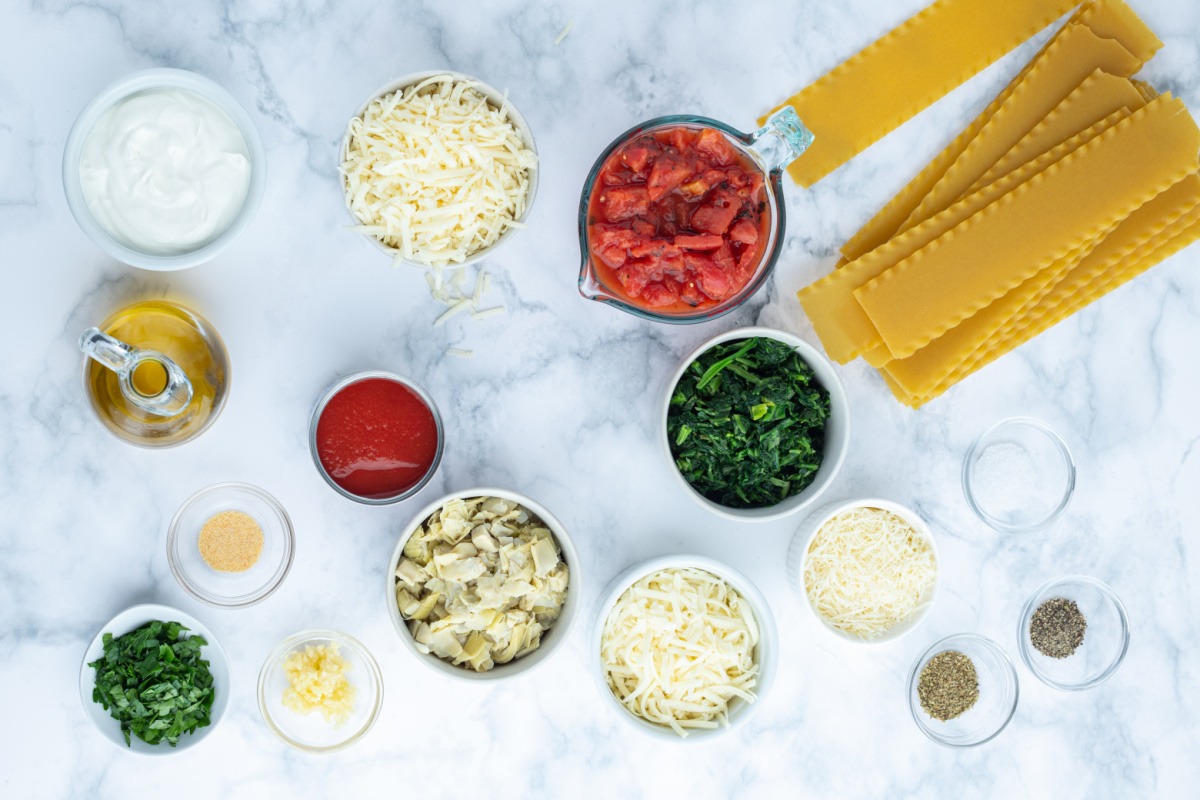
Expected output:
(1076, 179)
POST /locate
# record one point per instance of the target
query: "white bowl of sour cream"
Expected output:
(163, 169)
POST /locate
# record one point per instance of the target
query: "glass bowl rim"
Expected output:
(772, 178)
(1055, 439)
(303, 637)
(270, 586)
(1027, 614)
(944, 644)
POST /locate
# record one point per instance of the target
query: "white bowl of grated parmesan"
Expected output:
(642, 648)
(438, 169)
(868, 570)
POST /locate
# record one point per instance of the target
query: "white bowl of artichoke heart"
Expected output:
(483, 584)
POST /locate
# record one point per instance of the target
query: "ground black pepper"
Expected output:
(1057, 628)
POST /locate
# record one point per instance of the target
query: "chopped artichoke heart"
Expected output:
(461, 572)
(407, 603)
(481, 582)
(411, 573)
(426, 606)
(544, 556)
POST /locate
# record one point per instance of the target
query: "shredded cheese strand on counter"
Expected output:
(867, 570)
(678, 646)
(435, 171)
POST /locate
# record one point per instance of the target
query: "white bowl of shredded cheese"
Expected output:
(438, 169)
(653, 621)
(868, 570)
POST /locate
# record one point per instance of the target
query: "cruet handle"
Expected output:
(782, 140)
(123, 359)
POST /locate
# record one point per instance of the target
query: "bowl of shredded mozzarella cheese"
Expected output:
(868, 570)
(438, 169)
(683, 648)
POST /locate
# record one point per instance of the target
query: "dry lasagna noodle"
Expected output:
(843, 326)
(1109, 19)
(1160, 228)
(1087, 192)
(901, 74)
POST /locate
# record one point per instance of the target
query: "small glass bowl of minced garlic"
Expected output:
(230, 545)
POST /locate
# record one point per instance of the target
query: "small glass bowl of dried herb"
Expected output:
(230, 545)
(962, 691)
(755, 424)
(1073, 633)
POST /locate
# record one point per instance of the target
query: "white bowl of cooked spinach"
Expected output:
(755, 424)
(170, 701)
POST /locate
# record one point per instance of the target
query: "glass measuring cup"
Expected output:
(157, 374)
(770, 149)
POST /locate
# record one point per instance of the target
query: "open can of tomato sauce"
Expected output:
(682, 217)
(376, 437)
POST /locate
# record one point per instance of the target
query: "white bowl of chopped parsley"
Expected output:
(755, 424)
(158, 703)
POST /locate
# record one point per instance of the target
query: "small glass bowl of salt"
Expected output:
(1018, 476)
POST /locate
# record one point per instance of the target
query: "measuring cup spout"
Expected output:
(782, 140)
(148, 379)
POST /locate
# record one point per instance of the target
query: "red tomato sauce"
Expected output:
(376, 438)
(677, 219)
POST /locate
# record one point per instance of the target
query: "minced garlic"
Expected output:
(317, 682)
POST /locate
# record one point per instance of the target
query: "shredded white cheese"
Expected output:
(678, 646)
(867, 570)
(488, 312)
(563, 33)
(435, 171)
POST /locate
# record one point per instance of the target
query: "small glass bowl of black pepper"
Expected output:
(1073, 633)
(962, 691)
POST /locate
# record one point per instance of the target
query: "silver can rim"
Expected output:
(340, 384)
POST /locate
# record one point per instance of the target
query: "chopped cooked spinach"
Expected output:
(155, 683)
(747, 423)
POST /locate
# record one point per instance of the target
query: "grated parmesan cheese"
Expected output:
(563, 33)
(867, 570)
(678, 646)
(435, 171)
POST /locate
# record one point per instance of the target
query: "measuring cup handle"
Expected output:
(781, 140)
(112, 353)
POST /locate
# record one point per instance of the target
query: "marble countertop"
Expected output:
(559, 403)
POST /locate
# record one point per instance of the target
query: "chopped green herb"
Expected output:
(155, 683)
(747, 423)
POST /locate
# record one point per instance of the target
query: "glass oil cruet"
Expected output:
(157, 374)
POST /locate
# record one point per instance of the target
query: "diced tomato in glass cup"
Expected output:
(677, 219)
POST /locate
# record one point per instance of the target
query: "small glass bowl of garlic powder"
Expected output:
(320, 691)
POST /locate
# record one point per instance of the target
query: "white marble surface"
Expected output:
(559, 403)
